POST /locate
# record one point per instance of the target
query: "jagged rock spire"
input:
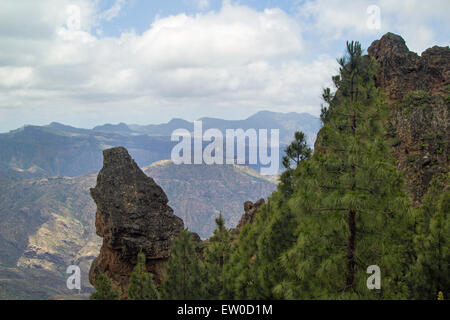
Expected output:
(132, 215)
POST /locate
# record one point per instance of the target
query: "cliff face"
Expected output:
(132, 215)
(417, 89)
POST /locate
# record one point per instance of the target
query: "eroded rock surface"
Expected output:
(250, 211)
(402, 71)
(417, 88)
(132, 215)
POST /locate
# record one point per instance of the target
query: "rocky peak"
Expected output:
(416, 90)
(402, 71)
(250, 210)
(132, 215)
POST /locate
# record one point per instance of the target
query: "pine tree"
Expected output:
(295, 153)
(141, 285)
(346, 210)
(278, 235)
(104, 289)
(351, 209)
(254, 268)
(238, 272)
(217, 255)
(429, 274)
(184, 274)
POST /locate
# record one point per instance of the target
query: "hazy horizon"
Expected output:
(85, 63)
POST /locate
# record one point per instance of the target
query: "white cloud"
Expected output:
(15, 76)
(236, 58)
(226, 63)
(347, 19)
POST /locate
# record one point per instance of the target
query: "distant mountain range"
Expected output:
(288, 123)
(57, 149)
(46, 212)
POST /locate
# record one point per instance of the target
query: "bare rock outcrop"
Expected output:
(250, 211)
(417, 88)
(402, 71)
(132, 215)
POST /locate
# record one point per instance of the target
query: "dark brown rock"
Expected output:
(250, 210)
(402, 71)
(132, 215)
(421, 125)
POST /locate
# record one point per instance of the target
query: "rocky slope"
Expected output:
(49, 223)
(46, 221)
(198, 192)
(132, 216)
(418, 91)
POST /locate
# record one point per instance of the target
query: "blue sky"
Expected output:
(88, 62)
(138, 14)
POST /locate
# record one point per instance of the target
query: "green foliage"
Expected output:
(396, 142)
(410, 158)
(184, 278)
(296, 152)
(429, 274)
(328, 97)
(217, 255)
(346, 210)
(416, 99)
(141, 285)
(254, 267)
(446, 90)
(104, 289)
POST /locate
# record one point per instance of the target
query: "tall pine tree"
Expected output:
(346, 212)
(141, 285)
(184, 273)
(351, 208)
(430, 273)
(295, 153)
(104, 289)
(217, 254)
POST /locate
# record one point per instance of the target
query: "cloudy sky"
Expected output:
(86, 63)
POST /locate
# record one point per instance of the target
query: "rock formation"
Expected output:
(417, 90)
(250, 210)
(402, 71)
(132, 215)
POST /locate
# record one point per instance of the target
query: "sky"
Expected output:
(90, 62)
